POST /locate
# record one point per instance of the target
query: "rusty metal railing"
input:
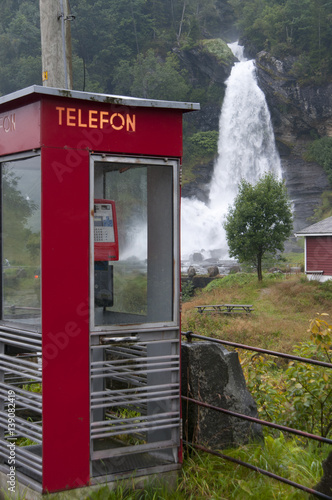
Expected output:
(190, 335)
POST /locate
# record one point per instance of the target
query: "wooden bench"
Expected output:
(226, 308)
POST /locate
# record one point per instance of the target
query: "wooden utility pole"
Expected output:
(56, 43)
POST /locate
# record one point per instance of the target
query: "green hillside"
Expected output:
(130, 46)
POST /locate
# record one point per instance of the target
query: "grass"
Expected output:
(283, 306)
(206, 476)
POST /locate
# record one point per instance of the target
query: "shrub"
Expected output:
(204, 143)
(301, 395)
(321, 152)
(187, 290)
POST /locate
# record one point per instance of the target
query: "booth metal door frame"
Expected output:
(135, 363)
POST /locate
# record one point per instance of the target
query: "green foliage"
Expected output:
(325, 208)
(298, 27)
(219, 49)
(321, 152)
(231, 280)
(151, 77)
(153, 490)
(259, 222)
(20, 53)
(114, 39)
(132, 290)
(299, 396)
(198, 149)
(187, 289)
(310, 392)
(324, 291)
(240, 279)
(33, 246)
(33, 387)
(272, 260)
(16, 212)
(204, 143)
(267, 386)
(206, 476)
(109, 36)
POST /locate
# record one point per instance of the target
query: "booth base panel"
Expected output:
(123, 459)
(128, 463)
(29, 473)
(28, 490)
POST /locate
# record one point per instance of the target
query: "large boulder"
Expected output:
(191, 272)
(213, 271)
(325, 484)
(213, 375)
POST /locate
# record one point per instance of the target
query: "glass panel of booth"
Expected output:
(20, 235)
(133, 280)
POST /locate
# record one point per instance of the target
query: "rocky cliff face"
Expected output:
(208, 65)
(299, 115)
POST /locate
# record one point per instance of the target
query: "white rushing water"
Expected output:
(246, 150)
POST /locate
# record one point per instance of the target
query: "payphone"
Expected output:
(106, 248)
(105, 231)
(107, 365)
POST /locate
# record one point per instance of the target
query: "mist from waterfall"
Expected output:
(246, 150)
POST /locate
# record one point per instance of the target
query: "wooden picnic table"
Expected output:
(225, 308)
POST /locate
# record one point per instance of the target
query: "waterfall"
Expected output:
(246, 150)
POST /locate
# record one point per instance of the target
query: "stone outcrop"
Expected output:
(199, 187)
(213, 375)
(202, 64)
(297, 110)
(299, 114)
(208, 65)
(325, 484)
(213, 271)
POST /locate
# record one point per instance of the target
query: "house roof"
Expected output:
(321, 228)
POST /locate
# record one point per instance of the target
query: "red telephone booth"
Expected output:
(90, 322)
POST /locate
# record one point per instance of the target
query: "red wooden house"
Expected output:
(318, 249)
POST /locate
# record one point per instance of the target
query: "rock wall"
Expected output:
(209, 70)
(299, 115)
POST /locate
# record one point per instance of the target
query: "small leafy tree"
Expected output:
(259, 222)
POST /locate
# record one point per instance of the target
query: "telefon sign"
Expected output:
(96, 119)
(7, 123)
